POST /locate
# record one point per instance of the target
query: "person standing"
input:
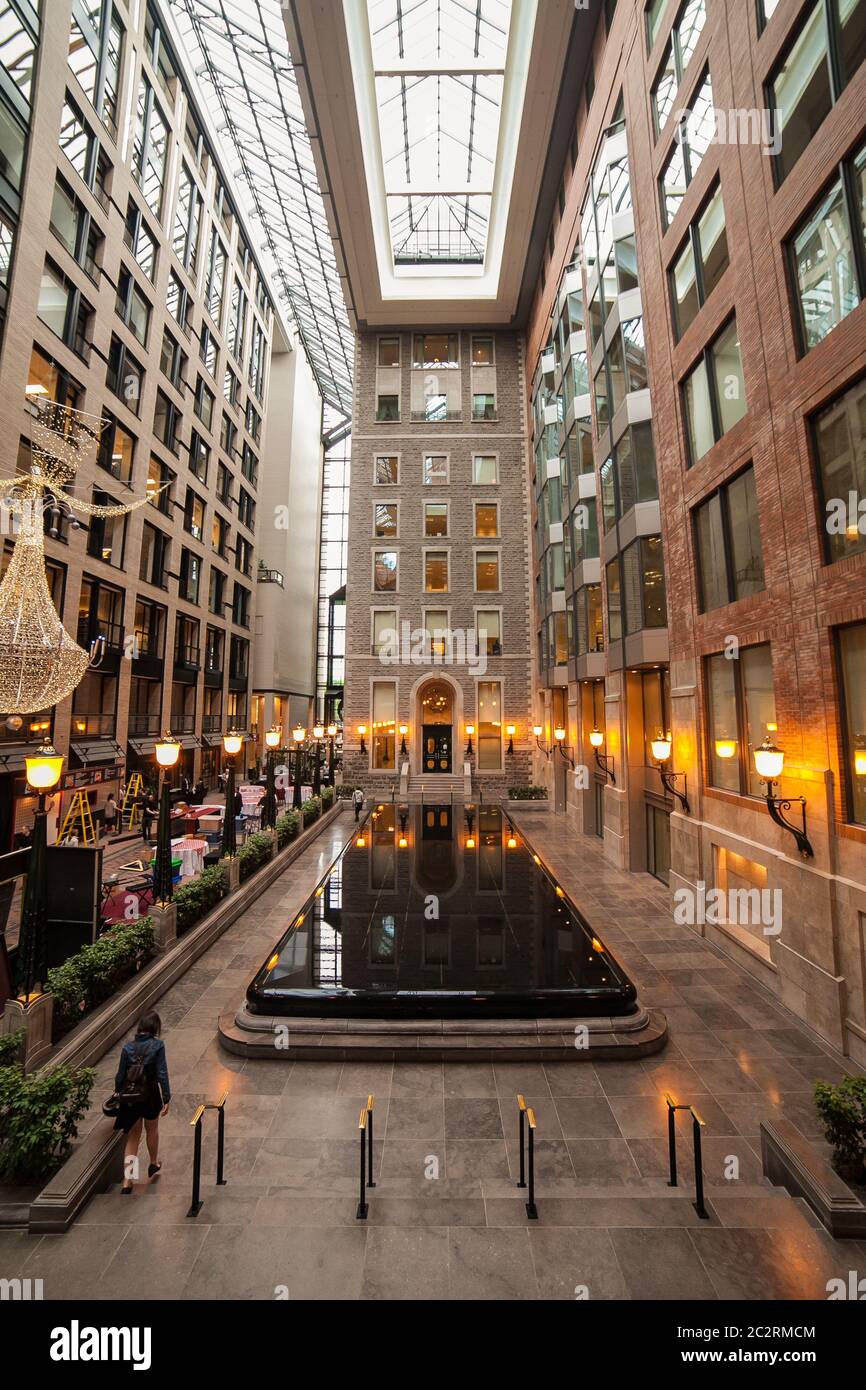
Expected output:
(111, 814)
(149, 813)
(143, 1089)
(358, 802)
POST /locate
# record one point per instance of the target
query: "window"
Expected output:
(216, 594)
(701, 263)
(166, 421)
(823, 256)
(740, 705)
(132, 306)
(851, 647)
(678, 55)
(231, 387)
(249, 464)
(208, 349)
(483, 406)
(384, 724)
(385, 571)
(654, 15)
(204, 402)
(590, 623)
(435, 350)
(237, 321)
(487, 571)
(72, 225)
(389, 352)
(246, 510)
(124, 376)
(228, 434)
(190, 576)
(694, 137)
(172, 360)
(643, 584)
(150, 147)
(839, 446)
(187, 222)
(140, 240)
(159, 485)
(386, 470)
(186, 648)
(193, 515)
(435, 518)
(219, 535)
(728, 544)
(436, 632)
(488, 631)
(256, 373)
(64, 310)
(253, 421)
(614, 608)
(486, 518)
(714, 393)
(435, 408)
(116, 450)
(241, 606)
(485, 469)
(482, 352)
(224, 484)
(823, 56)
(436, 470)
(107, 534)
(153, 560)
(199, 457)
(215, 277)
(388, 408)
(385, 520)
(384, 629)
(436, 571)
(489, 726)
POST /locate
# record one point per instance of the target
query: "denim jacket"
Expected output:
(150, 1050)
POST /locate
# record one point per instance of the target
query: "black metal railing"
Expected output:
(527, 1125)
(698, 1124)
(220, 1107)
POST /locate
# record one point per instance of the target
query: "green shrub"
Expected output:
(39, 1113)
(93, 974)
(196, 899)
(345, 792)
(527, 793)
(288, 826)
(311, 810)
(842, 1110)
(327, 798)
(255, 853)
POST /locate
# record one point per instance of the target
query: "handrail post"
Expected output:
(521, 1109)
(361, 1214)
(196, 1203)
(672, 1138)
(697, 1126)
(221, 1139)
(531, 1208)
(370, 1182)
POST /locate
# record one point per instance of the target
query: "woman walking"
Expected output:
(144, 1093)
(110, 814)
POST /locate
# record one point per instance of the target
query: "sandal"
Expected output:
(126, 1191)
(153, 1170)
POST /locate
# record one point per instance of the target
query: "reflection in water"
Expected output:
(438, 910)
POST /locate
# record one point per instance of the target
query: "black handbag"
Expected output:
(111, 1107)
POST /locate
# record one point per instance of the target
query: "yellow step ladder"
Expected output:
(129, 809)
(78, 814)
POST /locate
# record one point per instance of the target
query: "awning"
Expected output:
(103, 750)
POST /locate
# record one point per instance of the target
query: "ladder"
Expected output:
(78, 814)
(129, 809)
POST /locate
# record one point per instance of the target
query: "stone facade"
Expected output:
(459, 438)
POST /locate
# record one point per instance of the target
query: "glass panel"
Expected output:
(614, 613)
(387, 469)
(386, 519)
(685, 288)
(722, 720)
(728, 370)
(852, 652)
(840, 448)
(699, 416)
(653, 571)
(825, 268)
(689, 30)
(385, 571)
(489, 725)
(484, 468)
(756, 671)
(488, 625)
(852, 36)
(486, 571)
(801, 91)
(746, 556)
(713, 243)
(436, 571)
(665, 89)
(384, 724)
(435, 518)
(711, 555)
(435, 469)
(486, 519)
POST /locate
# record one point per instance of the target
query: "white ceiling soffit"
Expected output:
(249, 86)
(430, 121)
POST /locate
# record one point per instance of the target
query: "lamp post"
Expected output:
(299, 735)
(661, 751)
(167, 752)
(232, 744)
(332, 734)
(362, 734)
(559, 735)
(510, 730)
(470, 730)
(769, 761)
(318, 735)
(403, 731)
(537, 731)
(269, 801)
(43, 773)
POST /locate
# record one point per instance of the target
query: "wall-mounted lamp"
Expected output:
(603, 760)
(769, 761)
(470, 730)
(362, 734)
(860, 762)
(564, 748)
(726, 747)
(661, 750)
(403, 730)
(538, 730)
(510, 731)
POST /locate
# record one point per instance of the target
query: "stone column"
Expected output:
(35, 1018)
(164, 919)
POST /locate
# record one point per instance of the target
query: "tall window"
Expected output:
(839, 442)
(435, 350)
(436, 571)
(187, 221)
(701, 263)
(489, 726)
(389, 352)
(386, 470)
(487, 577)
(488, 630)
(384, 722)
(740, 704)
(851, 644)
(687, 151)
(643, 581)
(714, 392)
(728, 544)
(150, 148)
(678, 55)
(436, 470)
(216, 276)
(828, 255)
(385, 571)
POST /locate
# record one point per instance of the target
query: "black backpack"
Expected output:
(138, 1085)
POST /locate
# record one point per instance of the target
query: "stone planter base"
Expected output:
(790, 1161)
(36, 1019)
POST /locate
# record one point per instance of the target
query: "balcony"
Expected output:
(440, 417)
(89, 629)
(211, 723)
(183, 723)
(269, 576)
(92, 725)
(143, 725)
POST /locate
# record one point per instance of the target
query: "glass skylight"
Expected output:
(439, 69)
(240, 51)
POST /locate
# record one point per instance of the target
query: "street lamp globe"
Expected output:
(167, 750)
(44, 768)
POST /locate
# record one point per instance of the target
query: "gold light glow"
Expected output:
(596, 945)
(318, 731)
(402, 842)
(559, 734)
(510, 730)
(769, 761)
(726, 747)
(44, 768)
(167, 750)
(538, 730)
(596, 737)
(274, 960)
(332, 731)
(299, 733)
(272, 738)
(559, 892)
(362, 730)
(470, 841)
(403, 730)
(360, 842)
(661, 747)
(860, 762)
(470, 729)
(512, 843)
(233, 742)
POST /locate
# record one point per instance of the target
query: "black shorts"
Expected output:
(146, 1110)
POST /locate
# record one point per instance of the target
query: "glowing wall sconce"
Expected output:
(470, 730)
(769, 762)
(661, 751)
(860, 762)
(603, 760)
(537, 731)
(403, 730)
(510, 731)
(725, 747)
(362, 734)
(559, 735)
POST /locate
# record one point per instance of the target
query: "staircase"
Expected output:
(435, 789)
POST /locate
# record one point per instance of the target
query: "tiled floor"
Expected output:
(446, 1220)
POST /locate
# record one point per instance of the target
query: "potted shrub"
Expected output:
(39, 1113)
(842, 1110)
(527, 793)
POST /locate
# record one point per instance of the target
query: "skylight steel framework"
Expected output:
(240, 52)
(439, 71)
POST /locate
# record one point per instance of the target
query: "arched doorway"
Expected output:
(436, 721)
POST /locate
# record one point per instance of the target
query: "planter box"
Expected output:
(790, 1161)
